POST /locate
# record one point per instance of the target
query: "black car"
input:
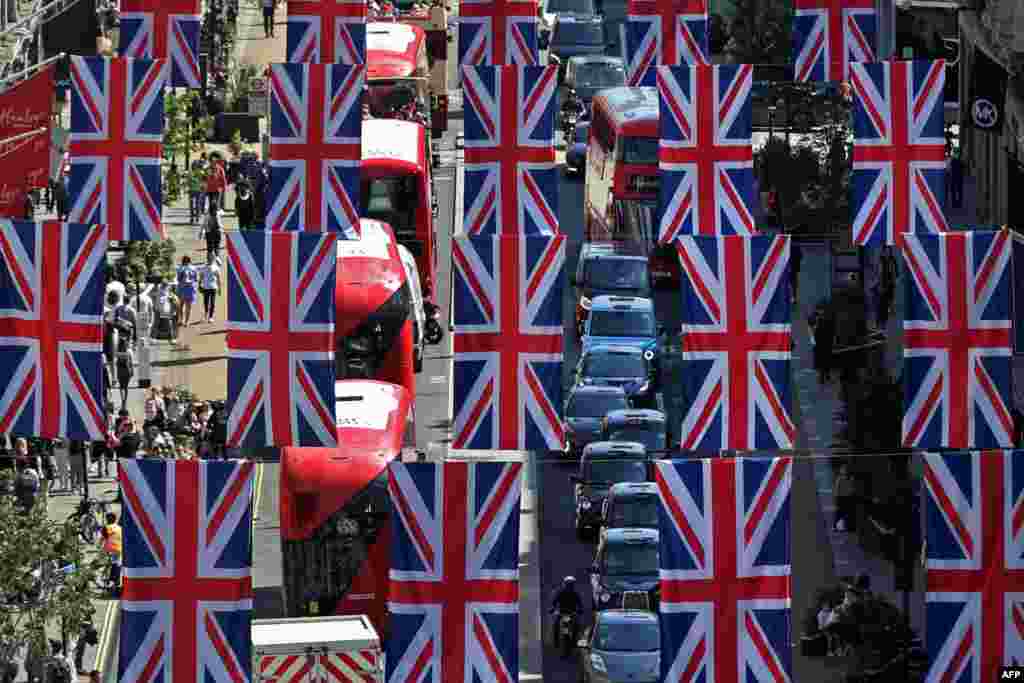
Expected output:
(618, 268)
(625, 571)
(584, 410)
(585, 75)
(602, 464)
(645, 426)
(554, 8)
(623, 646)
(627, 367)
(630, 505)
(573, 35)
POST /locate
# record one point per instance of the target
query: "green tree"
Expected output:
(144, 259)
(760, 32)
(30, 542)
(179, 139)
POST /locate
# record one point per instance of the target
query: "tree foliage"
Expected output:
(760, 32)
(180, 125)
(142, 260)
(30, 542)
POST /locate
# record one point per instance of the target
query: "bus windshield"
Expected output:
(640, 150)
(392, 200)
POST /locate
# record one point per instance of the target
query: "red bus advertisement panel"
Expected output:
(334, 506)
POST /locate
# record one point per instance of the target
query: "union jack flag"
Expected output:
(454, 582)
(117, 127)
(508, 342)
(343, 41)
(736, 343)
(899, 166)
(497, 32)
(315, 124)
(974, 521)
(829, 34)
(956, 341)
(164, 29)
(51, 329)
(511, 183)
(705, 157)
(725, 569)
(186, 604)
(281, 324)
(664, 33)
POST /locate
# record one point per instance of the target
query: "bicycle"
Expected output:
(90, 516)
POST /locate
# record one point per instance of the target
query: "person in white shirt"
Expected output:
(209, 285)
(144, 304)
(115, 285)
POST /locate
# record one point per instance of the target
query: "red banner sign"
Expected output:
(24, 163)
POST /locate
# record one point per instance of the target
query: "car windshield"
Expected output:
(652, 436)
(617, 470)
(640, 150)
(600, 75)
(632, 637)
(595, 405)
(578, 6)
(580, 33)
(614, 365)
(617, 273)
(622, 324)
(636, 511)
(581, 132)
(631, 558)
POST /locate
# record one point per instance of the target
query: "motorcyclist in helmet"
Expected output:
(566, 601)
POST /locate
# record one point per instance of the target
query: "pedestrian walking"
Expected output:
(144, 314)
(197, 189)
(209, 285)
(268, 18)
(29, 203)
(62, 459)
(26, 486)
(60, 191)
(824, 342)
(213, 231)
(216, 184)
(796, 256)
(245, 207)
(187, 277)
(844, 491)
(112, 544)
(125, 367)
(167, 309)
(956, 180)
(78, 453)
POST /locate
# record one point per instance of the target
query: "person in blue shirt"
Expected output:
(187, 278)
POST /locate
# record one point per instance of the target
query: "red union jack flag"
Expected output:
(664, 33)
(315, 120)
(899, 166)
(117, 127)
(164, 29)
(829, 34)
(705, 155)
(956, 341)
(508, 342)
(186, 605)
(327, 31)
(974, 526)
(736, 343)
(725, 569)
(51, 329)
(511, 183)
(496, 32)
(281, 325)
(453, 594)
(360, 666)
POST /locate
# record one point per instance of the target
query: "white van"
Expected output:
(345, 648)
(419, 320)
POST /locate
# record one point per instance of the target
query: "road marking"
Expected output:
(105, 634)
(257, 494)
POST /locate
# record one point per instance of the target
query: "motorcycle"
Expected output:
(567, 632)
(434, 333)
(571, 112)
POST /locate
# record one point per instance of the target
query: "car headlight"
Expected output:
(585, 503)
(605, 596)
(584, 303)
(649, 355)
(597, 662)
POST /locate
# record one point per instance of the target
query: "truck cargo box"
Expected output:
(337, 648)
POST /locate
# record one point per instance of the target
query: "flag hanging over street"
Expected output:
(956, 341)
(974, 609)
(829, 34)
(280, 339)
(25, 163)
(117, 128)
(327, 31)
(736, 343)
(164, 29)
(51, 324)
(507, 378)
(315, 128)
(725, 569)
(453, 593)
(664, 33)
(511, 181)
(497, 32)
(186, 604)
(705, 155)
(899, 167)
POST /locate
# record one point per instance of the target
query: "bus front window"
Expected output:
(392, 200)
(640, 150)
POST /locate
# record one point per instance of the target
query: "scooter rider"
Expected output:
(566, 601)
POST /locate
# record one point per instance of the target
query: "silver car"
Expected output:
(623, 646)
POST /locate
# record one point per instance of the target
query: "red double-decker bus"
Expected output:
(334, 506)
(396, 188)
(373, 327)
(621, 180)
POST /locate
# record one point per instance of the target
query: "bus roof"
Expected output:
(393, 142)
(632, 110)
(391, 49)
